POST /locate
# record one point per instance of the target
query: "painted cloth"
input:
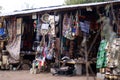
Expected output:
(113, 53)
(101, 55)
(67, 27)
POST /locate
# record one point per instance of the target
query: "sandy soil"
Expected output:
(25, 75)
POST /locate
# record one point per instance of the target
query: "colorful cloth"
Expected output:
(2, 31)
(113, 51)
(101, 56)
(67, 27)
(85, 26)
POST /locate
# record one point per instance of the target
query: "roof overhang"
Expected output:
(57, 8)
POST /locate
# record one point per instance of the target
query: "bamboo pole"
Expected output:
(86, 61)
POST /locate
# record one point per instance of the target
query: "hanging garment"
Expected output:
(85, 26)
(14, 48)
(14, 42)
(65, 23)
(12, 30)
(101, 55)
(77, 32)
(38, 29)
(52, 24)
(3, 34)
(67, 27)
(2, 31)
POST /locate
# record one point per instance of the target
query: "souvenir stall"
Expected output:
(30, 37)
(80, 39)
(108, 52)
(28, 31)
(45, 43)
(9, 38)
(89, 38)
(19, 43)
(76, 38)
(3, 40)
(12, 47)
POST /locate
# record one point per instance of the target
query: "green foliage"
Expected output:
(69, 2)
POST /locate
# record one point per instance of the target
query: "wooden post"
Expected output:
(86, 61)
(60, 35)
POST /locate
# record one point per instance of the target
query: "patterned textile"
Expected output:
(67, 27)
(101, 56)
(113, 53)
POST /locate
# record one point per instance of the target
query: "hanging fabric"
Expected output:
(10, 31)
(67, 27)
(77, 24)
(85, 26)
(38, 28)
(113, 53)
(65, 23)
(52, 24)
(2, 31)
(101, 55)
(13, 47)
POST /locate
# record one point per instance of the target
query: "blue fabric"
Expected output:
(74, 30)
(85, 26)
(2, 31)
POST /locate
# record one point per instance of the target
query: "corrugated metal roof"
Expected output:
(55, 8)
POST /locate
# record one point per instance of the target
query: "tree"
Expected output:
(69, 2)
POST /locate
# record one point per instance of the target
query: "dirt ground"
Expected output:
(25, 75)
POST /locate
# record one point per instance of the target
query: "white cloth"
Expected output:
(14, 48)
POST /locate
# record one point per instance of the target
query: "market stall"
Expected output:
(76, 39)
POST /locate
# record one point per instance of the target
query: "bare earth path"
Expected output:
(25, 75)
